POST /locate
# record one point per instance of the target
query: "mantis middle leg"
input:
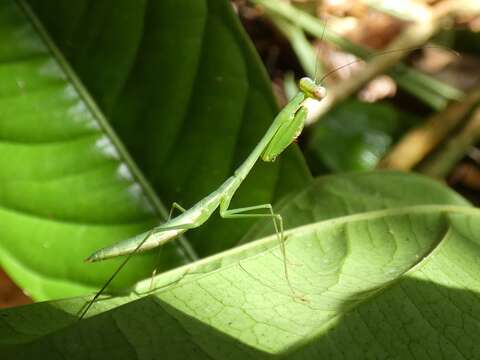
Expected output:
(277, 223)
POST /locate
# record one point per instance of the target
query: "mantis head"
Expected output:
(312, 89)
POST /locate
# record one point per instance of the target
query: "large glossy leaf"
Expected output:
(342, 195)
(66, 185)
(183, 87)
(376, 280)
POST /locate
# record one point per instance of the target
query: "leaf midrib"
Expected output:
(57, 56)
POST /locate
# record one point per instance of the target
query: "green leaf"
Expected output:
(188, 113)
(375, 280)
(343, 195)
(186, 93)
(67, 187)
(355, 135)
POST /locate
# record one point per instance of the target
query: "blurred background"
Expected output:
(412, 106)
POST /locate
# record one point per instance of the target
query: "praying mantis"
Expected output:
(285, 128)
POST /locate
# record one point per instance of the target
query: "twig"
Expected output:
(406, 10)
(413, 37)
(416, 34)
(416, 144)
(301, 46)
(441, 163)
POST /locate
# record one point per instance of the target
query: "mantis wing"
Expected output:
(285, 135)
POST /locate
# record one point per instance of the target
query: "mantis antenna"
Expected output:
(317, 63)
(384, 53)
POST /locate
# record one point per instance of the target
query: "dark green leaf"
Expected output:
(354, 136)
(184, 89)
(66, 186)
(64, 169)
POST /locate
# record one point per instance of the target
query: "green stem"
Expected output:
(421, 141)
(455, 149)
(403, 10)
(301, 46)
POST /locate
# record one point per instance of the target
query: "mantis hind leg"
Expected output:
(185, 226)
(277, 223)
(174, 206)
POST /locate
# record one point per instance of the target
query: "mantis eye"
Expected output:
(319, 92)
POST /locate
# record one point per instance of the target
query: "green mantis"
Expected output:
(285, 128)
(282, 132)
